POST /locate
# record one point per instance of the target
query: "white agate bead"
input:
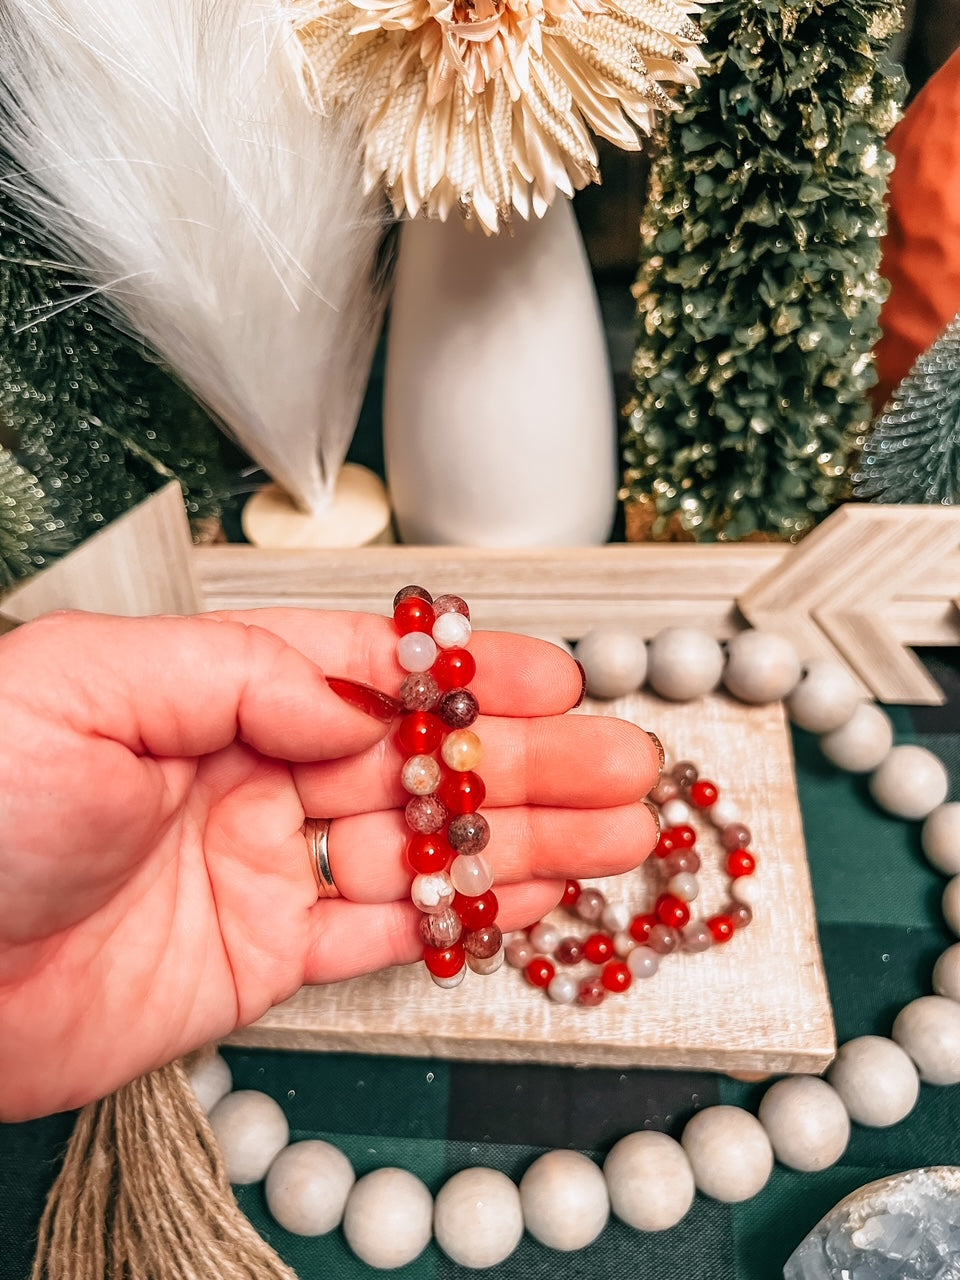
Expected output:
(452, 631)
(951, 904)
(862, 743)
(616, 917)
(729, 1152)
(940, 838)
(623, 943)
(388, 1218)
(563, 988)
(416, 651)
(748, 890)
(684, 885)
(761, 666)
(544, 937)
(826, 697)
(307, 1187)
(251, 1131)
(565, 1200)
(643, 962)
(210, 1079)
(477, 1218)
(806, 1122)
(876, 1081)
(684, 663)
(650, 1181)
(614, 659)
(910, 783)
(471, 874)
(929, 1030)
(946, 973)
(723, 813)
(675, 813)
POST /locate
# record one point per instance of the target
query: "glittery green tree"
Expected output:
(759, 290)
(85, 410)
(912, 453)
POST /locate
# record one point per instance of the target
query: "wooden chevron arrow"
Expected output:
(835, 594)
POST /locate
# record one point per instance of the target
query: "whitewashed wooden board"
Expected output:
(760, 1003)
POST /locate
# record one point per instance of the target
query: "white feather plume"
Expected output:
(166, 148)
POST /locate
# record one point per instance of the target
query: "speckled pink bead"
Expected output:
(666, 789)
(468, 833)
(458, 709)
(448, 603)
(419, 692)
(695, 936)
(425, 814)
(590, 905)
(420, 775)
(736, 836)
(519, 952)
(483, 943)
(485, 965)
(462, 750)
(663, 939)
(441, 929)
(680, 861)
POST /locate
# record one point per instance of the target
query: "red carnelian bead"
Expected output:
(683, 837)
(616, 976)
(703, 793)
(721, 927)
(462, 792)
(571, 892)
(428, 854)
(672, 911)
(414, 614)
(445, 962)
(454, 668)
(598, 948)
(539, 972)
(740, 862)
(477, 912)
(665, 845)
(419, 733)
(640, 926)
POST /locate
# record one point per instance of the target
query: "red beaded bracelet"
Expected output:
(630, 945)
(452, 885)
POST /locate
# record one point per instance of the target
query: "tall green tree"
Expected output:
(759, 287)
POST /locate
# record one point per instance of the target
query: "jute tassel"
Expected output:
(143, 1195)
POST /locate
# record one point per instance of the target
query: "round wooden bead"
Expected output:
(826, 697)
(806, 1122)
(951, 904)
(565, 1200)
(614, 659)
(477, 1218)
(862, 743)
(211, 1080)
(729, 1152)
(684, 663)
(388, 1218)
(307, 1187)
(910, 783)
(940, 838)
(876, 1081)
(649, 1180)
(946, 973)
(761, 666)
(929, 1030)
(251, 1131)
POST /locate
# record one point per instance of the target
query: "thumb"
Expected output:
(175, 686)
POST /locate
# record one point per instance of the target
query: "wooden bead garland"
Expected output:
(726, 1152)
(452, 885)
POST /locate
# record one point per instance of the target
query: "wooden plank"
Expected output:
(758, 1004)
(140, 564)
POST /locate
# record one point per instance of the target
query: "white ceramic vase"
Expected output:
(500, 423)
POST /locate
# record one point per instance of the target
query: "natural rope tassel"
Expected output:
(143, 1195)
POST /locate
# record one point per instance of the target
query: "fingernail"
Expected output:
(655, 812)
(374, 702)
(661, 755)
(583, 683)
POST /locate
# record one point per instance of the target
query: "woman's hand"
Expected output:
(155, 886)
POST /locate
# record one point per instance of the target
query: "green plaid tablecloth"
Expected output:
(881, 931)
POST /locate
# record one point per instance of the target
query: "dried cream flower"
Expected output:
(486, 105)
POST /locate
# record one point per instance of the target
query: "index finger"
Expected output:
(516, 675)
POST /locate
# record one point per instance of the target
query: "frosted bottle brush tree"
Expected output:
(759, 288)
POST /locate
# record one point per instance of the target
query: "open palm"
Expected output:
(155, 888)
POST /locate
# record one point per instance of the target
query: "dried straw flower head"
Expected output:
(487, 105)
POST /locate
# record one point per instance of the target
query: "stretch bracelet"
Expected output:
(452, 884)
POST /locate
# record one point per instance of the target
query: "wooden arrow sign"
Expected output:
(836, 594)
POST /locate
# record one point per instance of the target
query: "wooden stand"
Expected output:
(358, 515)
